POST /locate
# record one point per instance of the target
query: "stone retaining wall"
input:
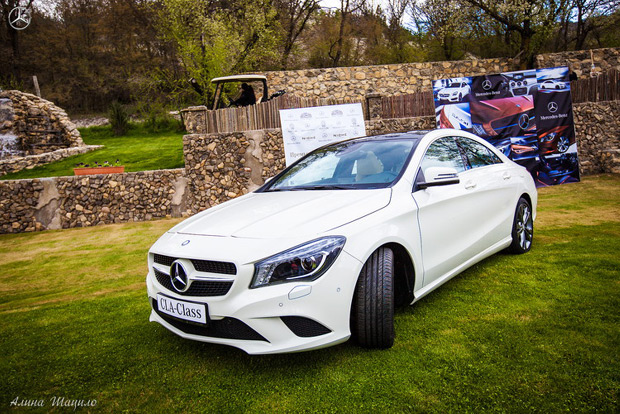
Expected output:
(21, 163)
(64, 202)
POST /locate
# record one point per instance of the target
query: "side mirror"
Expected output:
(436, 176)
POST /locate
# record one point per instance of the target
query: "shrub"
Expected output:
(119, 119)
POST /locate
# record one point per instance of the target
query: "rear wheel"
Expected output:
(522, 228)
(372, 321)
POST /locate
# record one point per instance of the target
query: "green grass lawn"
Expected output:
(138, 150)
(538, 332)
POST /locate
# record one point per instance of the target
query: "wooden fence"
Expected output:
(407, 106)
(263, 115)
(604, 87)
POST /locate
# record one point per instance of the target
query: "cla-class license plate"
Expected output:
(190, 311)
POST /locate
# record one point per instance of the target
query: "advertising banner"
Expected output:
(526, 114)
(305, 129)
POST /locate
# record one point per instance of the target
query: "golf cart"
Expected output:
(257, 82)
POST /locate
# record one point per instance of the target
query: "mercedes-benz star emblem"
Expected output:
(19, 18)
(178, 276)
(552, 107)
(486, 85)
(524, 121)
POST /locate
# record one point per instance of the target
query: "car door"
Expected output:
(441, 217)
(459, 221)
(492, 189)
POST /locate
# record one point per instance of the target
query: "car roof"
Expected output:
(239, 78)
(412, 135)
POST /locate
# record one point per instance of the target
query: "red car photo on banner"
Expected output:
(525, 114)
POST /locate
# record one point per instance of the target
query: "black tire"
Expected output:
(372, 321)
(522, 228)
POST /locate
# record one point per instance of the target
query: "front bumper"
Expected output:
(449, 98)
(287, 317)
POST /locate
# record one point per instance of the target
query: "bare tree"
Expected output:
(294, 16)
(347, 8)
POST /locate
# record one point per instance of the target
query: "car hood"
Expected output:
(285, 214)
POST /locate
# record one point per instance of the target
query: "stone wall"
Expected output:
(397, 79)
(580, 61)
(597, 128)
(39, 125)
(64, 202)
(21, 163)
(223, 166)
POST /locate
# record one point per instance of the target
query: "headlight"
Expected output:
(306, 262)
(454, 93)
(549, 137)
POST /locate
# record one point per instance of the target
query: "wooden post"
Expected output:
(36, 86)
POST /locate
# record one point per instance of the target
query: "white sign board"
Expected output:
(305, 129)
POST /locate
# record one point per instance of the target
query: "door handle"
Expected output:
(506, 175)
(469, 185)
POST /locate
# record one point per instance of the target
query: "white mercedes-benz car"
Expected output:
(328, 247)
(454, 92)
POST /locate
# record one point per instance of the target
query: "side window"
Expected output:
(443, 153)
(477, 154)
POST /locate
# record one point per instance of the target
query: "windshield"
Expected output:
(454, 85)
(348, 165)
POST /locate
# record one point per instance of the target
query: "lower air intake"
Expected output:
(304, 327)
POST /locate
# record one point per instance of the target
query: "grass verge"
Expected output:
(532, 333)
(138, 150)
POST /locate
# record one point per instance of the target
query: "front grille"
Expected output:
(197, 287)
(210, 266)
(229, 328)
(304, 327)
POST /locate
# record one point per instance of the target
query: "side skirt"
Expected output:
(501, 245)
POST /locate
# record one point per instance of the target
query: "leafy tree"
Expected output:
(214, 39)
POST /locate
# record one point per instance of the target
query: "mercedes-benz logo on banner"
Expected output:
(486, 85)
(552, 107)
(19, 18)
(524, 121)
(178, 276)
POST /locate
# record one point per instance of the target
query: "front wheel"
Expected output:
(522, 228)
(372, 315)
(563, 144)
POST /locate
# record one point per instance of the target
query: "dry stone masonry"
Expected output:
(64, 202)
(597, 127)
(34, 131)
